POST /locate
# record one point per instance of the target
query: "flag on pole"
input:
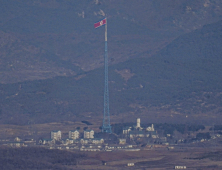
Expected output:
(100, 23)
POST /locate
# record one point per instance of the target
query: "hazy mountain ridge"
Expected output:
(23, 61)
(187, 71)
(52, 32)
(183, 79)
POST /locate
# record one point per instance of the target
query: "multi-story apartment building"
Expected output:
(74, 134)
(57, 135)
(89, 134)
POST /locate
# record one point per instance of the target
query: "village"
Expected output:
(132, 138)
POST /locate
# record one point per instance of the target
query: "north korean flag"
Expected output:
(100, 23)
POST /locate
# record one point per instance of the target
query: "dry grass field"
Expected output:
(154, 159)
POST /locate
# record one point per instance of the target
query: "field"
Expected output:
(192, 158)
(197, 158)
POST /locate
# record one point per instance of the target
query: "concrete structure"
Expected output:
(122, 141)
(74, 134)
(180, 167)
(130, 164)
(134, 134)
(67, 141)
(17, 139)
(141, 134)
(92, 141)
(16, 144)
(150, 129)
(98, 141)
(57, 135)
(154, 135)
(84, 141)
(47, 141)
(88, 134)
(126, 130)
(147, 135)
(138, 123)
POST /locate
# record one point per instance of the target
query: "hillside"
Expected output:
(44, 39)
(183, 79)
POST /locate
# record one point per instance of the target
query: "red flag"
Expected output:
(100, 23)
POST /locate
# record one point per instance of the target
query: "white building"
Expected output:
(46, 141)
(84, 141)
(92, 141)
(16, 144)
(150, 129)
(134, 134)
(154, 135)
(130, 164)
(74, 134)
(138, 123)
(98, 141)
(122, 141)
(88, 134)
(17, 139)
(180, 167)
(126, 130)
(57, 135)
(67, 141)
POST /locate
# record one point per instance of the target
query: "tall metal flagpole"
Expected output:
(106, 117)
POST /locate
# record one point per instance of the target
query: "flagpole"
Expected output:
(106, 117)
(106, 31)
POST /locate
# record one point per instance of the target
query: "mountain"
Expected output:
(44, 39)
(179, 83)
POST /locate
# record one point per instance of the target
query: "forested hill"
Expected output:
(42, 39)
(184, 78)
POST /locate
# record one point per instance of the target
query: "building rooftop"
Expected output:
(74, 131)
(88, 130)
(56, 131)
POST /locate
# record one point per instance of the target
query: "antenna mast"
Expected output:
(106, 117)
